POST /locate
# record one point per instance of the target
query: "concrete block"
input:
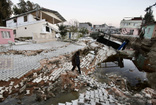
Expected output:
(74, 102)
(87, 97)
(61, 104)
(107, 102)
(1, 96)
(11, 83)
(68, 103)
(93, 103)
(81, 96)
(27, 92)
(81, 101)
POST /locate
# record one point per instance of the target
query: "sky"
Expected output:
(97, 12)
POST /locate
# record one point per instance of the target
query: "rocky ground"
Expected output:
(55, 76)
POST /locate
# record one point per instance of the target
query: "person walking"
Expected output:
(76, 61)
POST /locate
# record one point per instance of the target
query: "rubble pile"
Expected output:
(49, 72)
(54, 75)
(111, 94)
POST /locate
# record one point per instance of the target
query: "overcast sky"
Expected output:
(110, 12)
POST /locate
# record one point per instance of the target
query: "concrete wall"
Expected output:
(5, 40)
(149, 31)
(33, 28)
(154, 32)
(20, 21)
(126, 31)
(130, 23)
(83, 25)
(28, 30)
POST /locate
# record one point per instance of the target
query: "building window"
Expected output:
(14, 31)
(15, 20)
(131, 32)
(47, 29)
(25, 18)
(5, 34)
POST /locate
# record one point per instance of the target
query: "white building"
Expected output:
(86, 25)
(131, 26)
(40, 24)
(106, 29)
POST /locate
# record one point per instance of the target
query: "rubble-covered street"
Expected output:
(44, 70)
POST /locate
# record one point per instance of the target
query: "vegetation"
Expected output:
(148, 18)
(63, 30)
(23, 7)
(83, 31)
(5, 11)
(73, 29)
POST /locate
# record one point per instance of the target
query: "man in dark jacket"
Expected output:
(76, 61)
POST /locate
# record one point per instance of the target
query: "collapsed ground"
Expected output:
(54, 76)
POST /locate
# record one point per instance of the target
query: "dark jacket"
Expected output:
(75, 60)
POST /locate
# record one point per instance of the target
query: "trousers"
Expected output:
(78, 66)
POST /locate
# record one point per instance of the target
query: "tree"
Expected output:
(63, 30)
(5, 11)
(23, 7)
(73, 29)
(83, 31)
(148, 18)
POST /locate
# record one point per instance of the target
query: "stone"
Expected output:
(61, 104)
(34, 75)
(22, 89)
(11, 83)
(1, 96)
(27, 92)
(68, 103)
(75, 102)
(16, 86)
(153, 101)
(138, 95)
(81, 101)
(118, 92)
(150, 93)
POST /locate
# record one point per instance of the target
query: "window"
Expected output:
(25, 18)
(5, 34)
(14, 31)
(47, 29)
(131, 32)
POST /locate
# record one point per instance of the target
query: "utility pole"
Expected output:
(148, 8)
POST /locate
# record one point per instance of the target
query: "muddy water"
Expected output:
(136, 79)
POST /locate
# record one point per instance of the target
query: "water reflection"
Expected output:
(124, 68)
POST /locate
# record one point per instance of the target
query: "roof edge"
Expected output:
(43, 9)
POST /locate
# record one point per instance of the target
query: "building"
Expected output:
(38, 25)
(131, 26)
(105, 29)
(150, 31)
(6, 35)
(86, 25)
(102, 28)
